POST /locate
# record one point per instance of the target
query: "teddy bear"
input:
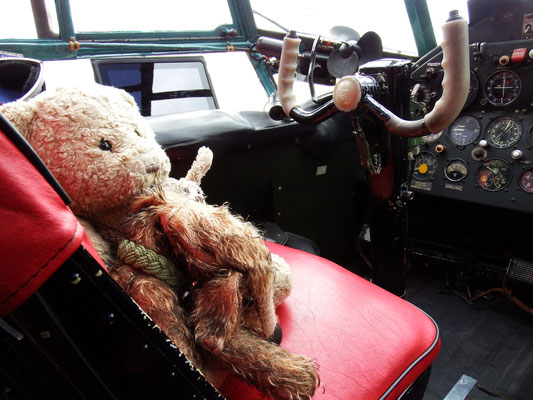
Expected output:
(210, 283)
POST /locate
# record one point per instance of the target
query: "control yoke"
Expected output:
(355, 93)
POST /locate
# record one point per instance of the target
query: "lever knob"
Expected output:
(517, 154)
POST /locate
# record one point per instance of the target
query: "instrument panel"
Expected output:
(486, 155)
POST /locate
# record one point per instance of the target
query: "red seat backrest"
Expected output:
(38, 231)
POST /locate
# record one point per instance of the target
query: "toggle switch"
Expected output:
(519, 55)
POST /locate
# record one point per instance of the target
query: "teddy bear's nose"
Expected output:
(152, 168)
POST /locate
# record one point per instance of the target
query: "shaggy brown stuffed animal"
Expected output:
(211, 283)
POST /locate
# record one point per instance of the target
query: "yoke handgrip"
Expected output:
(287, 67)
(456, 82)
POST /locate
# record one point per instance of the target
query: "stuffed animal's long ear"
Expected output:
(20, 113)
(210, 238)
(201, 165)
(217, 310)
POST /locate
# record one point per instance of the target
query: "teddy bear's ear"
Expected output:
(20, 113)
(129, 98)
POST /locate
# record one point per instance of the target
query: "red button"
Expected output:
(518, 55)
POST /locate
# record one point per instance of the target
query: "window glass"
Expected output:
(17, 20)
(160, 86)
(387, 18)
(146, 16)
(439, 10)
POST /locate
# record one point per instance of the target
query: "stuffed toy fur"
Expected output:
(217, 299)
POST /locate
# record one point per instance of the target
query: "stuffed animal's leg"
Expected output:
(273, 370)
(160, 302)
(212, 239)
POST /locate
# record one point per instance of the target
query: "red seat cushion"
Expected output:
(368, 343)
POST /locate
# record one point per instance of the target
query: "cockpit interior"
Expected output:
(398, 183)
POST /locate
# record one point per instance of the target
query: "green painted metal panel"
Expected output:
(418, 13)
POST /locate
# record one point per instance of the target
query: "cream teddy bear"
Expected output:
(216, 296)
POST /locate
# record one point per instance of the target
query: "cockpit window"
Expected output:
(439, 10)
(389, 19)
(19, 20)
(149, 16)
(20, 23)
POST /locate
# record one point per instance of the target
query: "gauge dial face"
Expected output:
(494, 175)
(502, 88)
(526, 181)
(425, 166)
(503, 132)
(456, 170)
(464, 130)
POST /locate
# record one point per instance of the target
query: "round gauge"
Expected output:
(464, 130)
(526, 181)
(503, 132)
(502, 88)
(425, 166)
(494, 175)
(456, 170)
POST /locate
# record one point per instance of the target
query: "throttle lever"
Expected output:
(287, 67)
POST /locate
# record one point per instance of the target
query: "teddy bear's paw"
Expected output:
(276, 372)
(298, 380)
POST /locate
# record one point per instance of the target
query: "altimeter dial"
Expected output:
(503, 132)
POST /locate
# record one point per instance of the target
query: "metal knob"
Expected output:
(517, 154)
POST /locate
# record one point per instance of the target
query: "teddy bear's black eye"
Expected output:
(105, 145)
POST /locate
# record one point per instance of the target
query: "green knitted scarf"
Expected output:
(150, 263)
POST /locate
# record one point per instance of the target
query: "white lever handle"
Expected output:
(456, 82)
(287, 68)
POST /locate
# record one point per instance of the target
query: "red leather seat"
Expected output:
(368, 343)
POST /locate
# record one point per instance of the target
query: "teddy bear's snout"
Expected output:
(152, 168)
